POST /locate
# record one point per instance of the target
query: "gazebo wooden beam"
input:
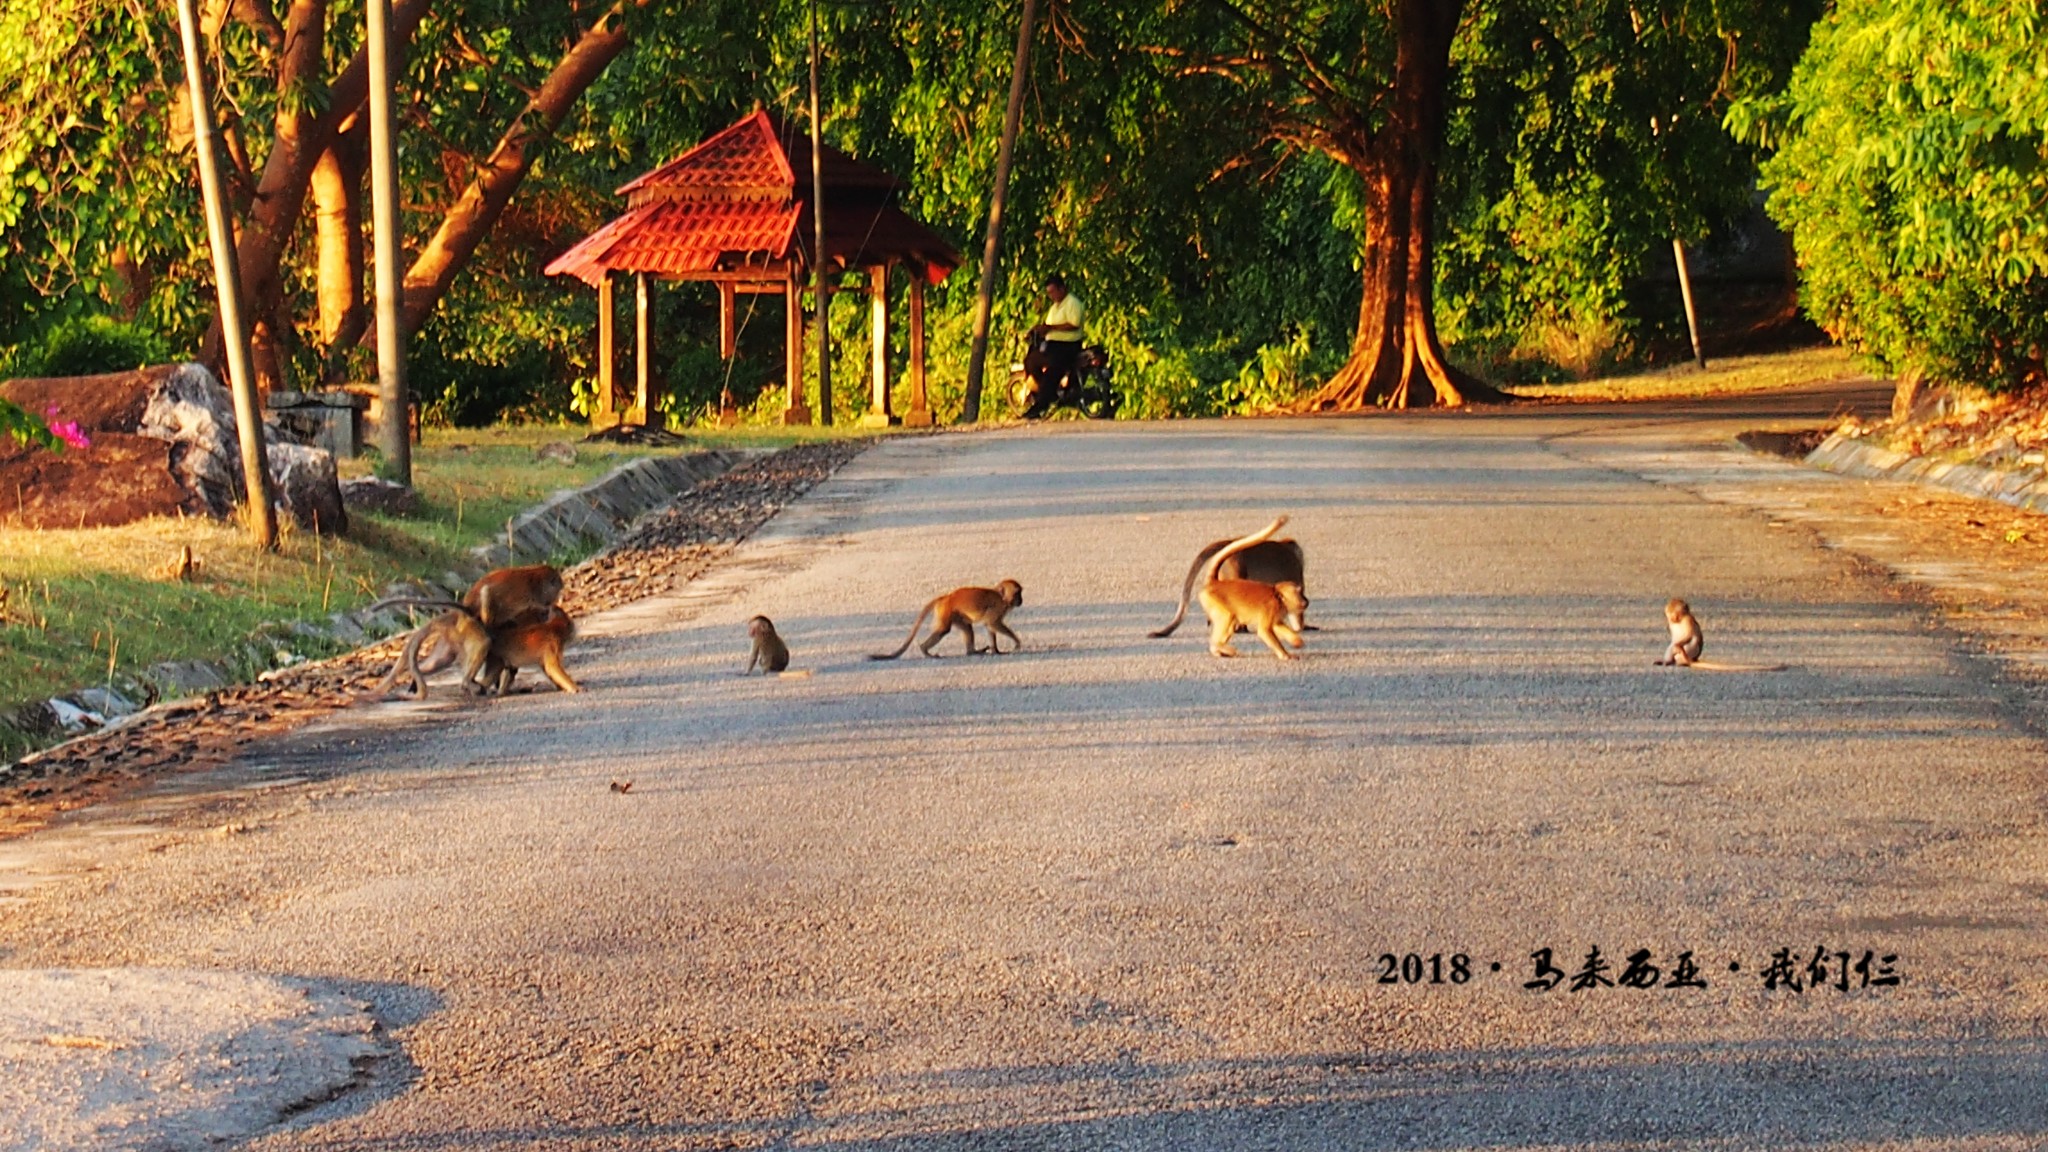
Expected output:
(795, 411)
(604, 413)
(878, 414)
(920, 414)
(643, 344)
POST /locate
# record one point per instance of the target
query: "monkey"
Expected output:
(769, 650)
(963, 608)
(1688, 640)
(538, 644)
(1269, 562)
(1271, 610)
(500, 597)
(455, 631)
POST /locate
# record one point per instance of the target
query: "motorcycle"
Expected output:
(1087, 388)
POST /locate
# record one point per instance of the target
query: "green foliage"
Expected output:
(1583, 138)
(25, 427)
(89, 345)
(1910, 170)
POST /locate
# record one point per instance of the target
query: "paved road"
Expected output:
(1112, 892)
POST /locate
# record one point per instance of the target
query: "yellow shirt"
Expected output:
(1067, 311)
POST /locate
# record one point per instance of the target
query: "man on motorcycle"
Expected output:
(1055, 344)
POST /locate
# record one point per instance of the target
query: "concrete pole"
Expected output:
(977, 359)
(392, 394)
(820, 293)
(228, 286)
(1692, 316)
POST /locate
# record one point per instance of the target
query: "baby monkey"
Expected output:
(1273, 611)
(1688, 640)
(963, 608)
(769, 650)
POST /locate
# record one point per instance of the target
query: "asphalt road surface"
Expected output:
(1111, 892)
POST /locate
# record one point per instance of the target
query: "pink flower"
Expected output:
(66, 430)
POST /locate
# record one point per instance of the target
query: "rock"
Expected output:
(374, 494)
(307, 489)
(71, 718)
(555, 452)
(105, 702)
(189, 409)
(178, 678)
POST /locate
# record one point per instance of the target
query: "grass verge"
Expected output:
(1732, 376)
(80, 608)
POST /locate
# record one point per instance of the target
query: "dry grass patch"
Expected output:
(1732, 376)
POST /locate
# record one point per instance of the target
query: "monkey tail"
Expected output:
(416, 602)
(1187, 591)
(914, 626)
(408, 666)
(1714, 666)
(1236, 546)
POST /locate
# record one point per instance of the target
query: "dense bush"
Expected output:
(1910, 171)
(88, 346)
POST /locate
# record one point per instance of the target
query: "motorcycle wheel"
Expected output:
(1023, 393)
(1099, 402)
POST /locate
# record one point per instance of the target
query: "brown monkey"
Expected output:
(500, 597)
(1269, 562)
(524, 595)
(538, 644)
(769, 650)
(963, 608)
(1688, 640)
(454, 631)
(1272, 610)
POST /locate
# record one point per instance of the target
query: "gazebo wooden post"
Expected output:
(643, 342)
(795, 412)
(604, 413)
(728, 347)
(878, 414)
(920, 414)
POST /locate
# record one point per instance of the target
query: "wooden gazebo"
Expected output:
(735, 211)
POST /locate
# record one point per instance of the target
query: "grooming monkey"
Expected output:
(537, 644)
(963, 608)
(454, 631)
(500, 597)
(769, 650)
(1269, 562)
(1688, 640)
(1271, 610)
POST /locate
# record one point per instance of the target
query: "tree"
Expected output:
(1374, 88)
(1909, 171)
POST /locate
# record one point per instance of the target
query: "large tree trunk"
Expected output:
(484, 200)
(1396, 359)
(338, 230)
(300, 140)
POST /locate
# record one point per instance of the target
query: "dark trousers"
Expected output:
(1049, 363)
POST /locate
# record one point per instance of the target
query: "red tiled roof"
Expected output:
(678, 237)
(738, 197)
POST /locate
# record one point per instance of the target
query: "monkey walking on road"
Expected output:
(963, 608)
(535, 645)
(1272, 610)
(1268, 562)
(455, 632)
(1688, 640)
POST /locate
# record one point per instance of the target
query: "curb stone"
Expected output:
(1849, 456)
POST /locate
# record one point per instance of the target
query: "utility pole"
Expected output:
(392, 395)
(1692, 316)
(820, 292)
(977, 360)
(227, 276)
